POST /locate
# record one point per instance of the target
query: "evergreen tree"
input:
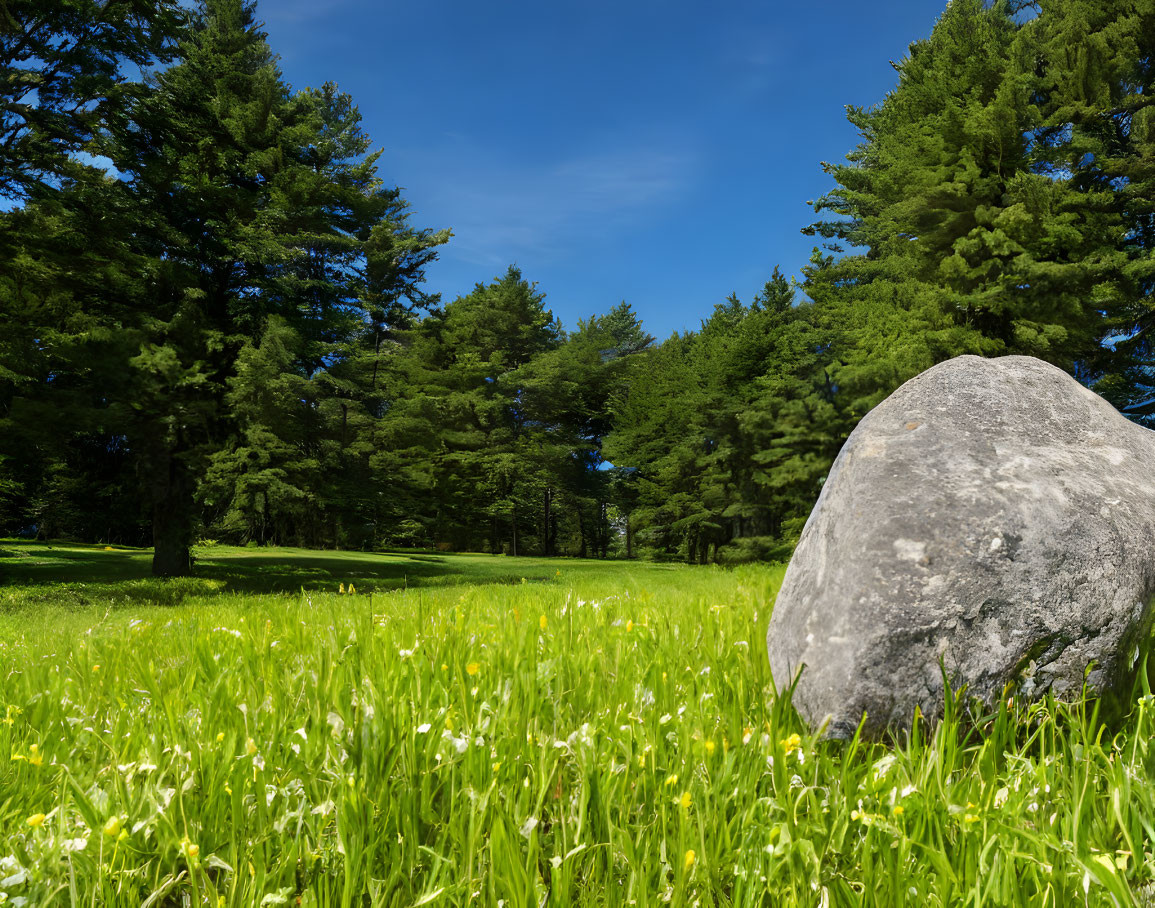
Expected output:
(1094, 81)
(963, 243)
(62, 81)
(456, 435)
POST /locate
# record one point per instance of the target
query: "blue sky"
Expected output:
(657, 152)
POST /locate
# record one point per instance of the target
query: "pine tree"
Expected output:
(62, 81)
(260, 205)
(456, 436)
(968, 244)
(1094, 81)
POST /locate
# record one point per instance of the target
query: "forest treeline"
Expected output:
(215, 327)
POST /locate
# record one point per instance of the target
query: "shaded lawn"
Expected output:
(77, 574)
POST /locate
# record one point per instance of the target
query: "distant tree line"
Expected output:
(215, 327)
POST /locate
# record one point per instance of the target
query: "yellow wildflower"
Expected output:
(220, 736)
(352, 589)
(444, 667)
(95, 668)
(473, 668)
(898, 810)
(685, 800)
(792, 743)
(112, 827)
(710, 748)
(970, 818)
(629, 626)
(671, 780)
(37, 819)
(35, 757)
(542, 622)
(690, 858)
(341, 588)
(251, 747)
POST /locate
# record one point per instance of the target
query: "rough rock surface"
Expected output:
(991, 517)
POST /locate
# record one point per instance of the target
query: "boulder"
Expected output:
(992, 519)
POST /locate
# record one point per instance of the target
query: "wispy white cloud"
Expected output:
(294, 12)
(501, 214)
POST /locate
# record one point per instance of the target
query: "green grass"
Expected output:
(451, 734)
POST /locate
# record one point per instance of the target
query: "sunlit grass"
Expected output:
(597, 734)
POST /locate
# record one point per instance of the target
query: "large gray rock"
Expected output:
(991, 517)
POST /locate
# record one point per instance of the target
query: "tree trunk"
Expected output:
(545, 542)
(172, 524)
(629, 538)
(513, 528)
(581, 533)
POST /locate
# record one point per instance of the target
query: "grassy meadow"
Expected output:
(474, 730)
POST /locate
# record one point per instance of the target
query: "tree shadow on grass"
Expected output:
(41, 571)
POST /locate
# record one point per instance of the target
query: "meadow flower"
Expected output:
(473, 668)
(542, 622)
(685, 800)
(691, 857)
(112, 827)
(709, 746)
(95, 668)
(35, 757)
(791, 743)
(671, 780)
(898, 810)
(629, 626)
(36, 820)
(250, 747)
(220, 736)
